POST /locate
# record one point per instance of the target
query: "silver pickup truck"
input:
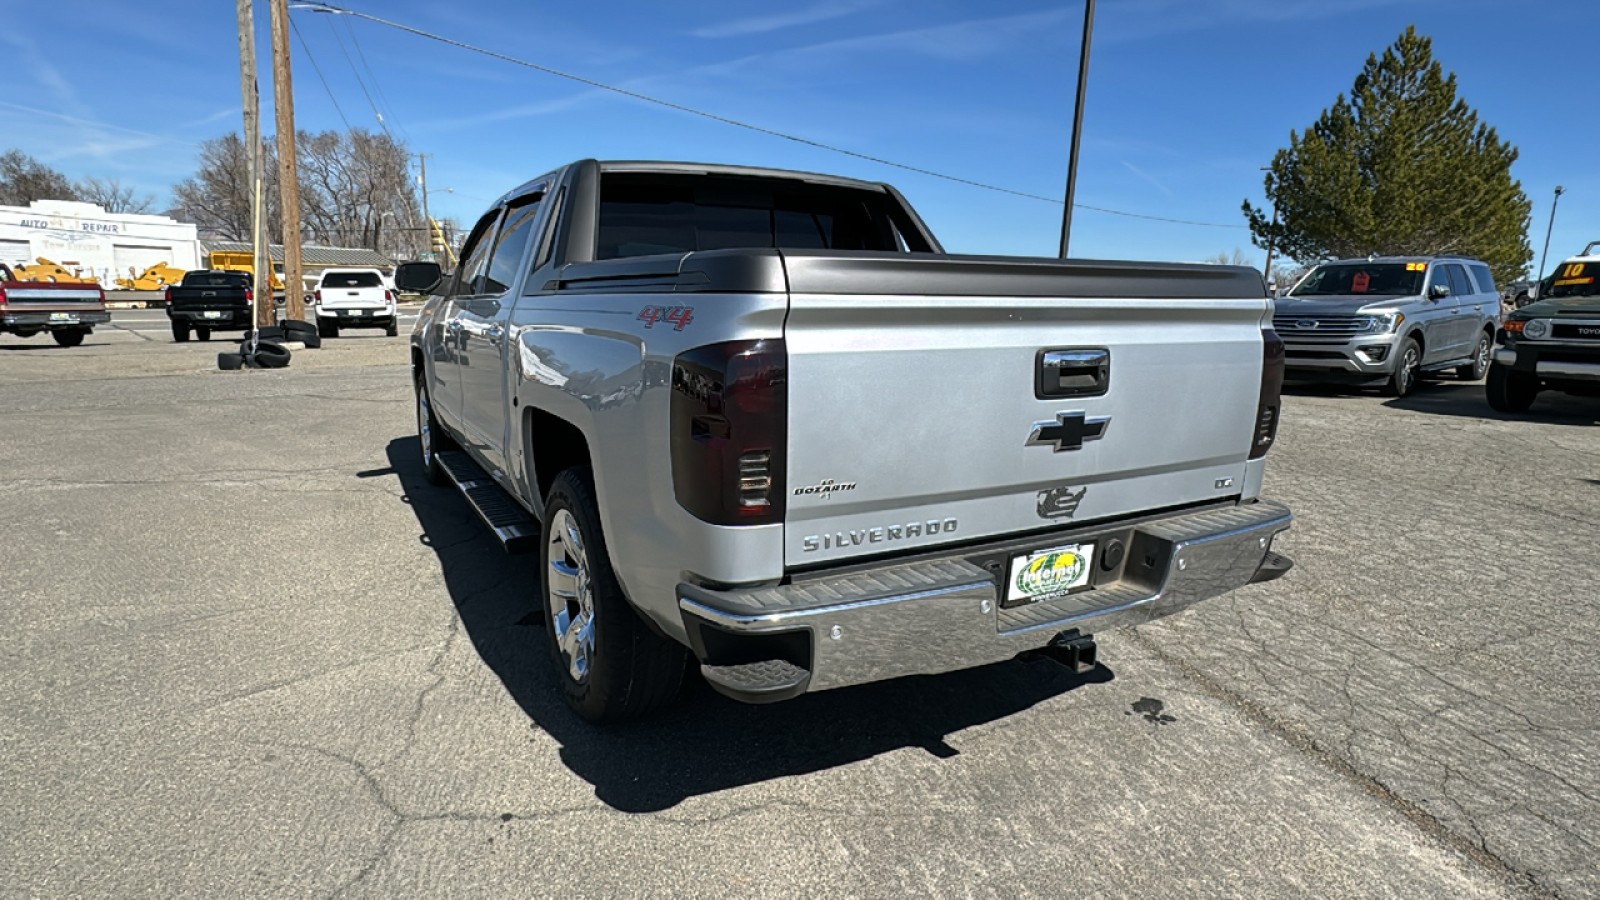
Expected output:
(761, 418)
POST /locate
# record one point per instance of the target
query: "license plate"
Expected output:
(213, 314)
(358, 312)
(69, 318)
(1044, 574)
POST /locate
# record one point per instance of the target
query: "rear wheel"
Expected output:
(1480, 360)
(69, 337)
(393, 328)
(1407, 366)
(1509, 390)
(327, 329)
(202, 333)
(180, 330)
(611, 665)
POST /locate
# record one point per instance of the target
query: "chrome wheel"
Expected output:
(570, 596)
(424, 429)
(1406, 376)
(1480, 363)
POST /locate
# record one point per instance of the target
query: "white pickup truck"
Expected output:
(354, 298)
(760, 418)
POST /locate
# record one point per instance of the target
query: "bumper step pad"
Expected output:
(511, 525)
(768, 681)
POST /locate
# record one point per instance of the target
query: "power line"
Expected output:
(373, 77)
(318, 69)
(318, 6)
(357, 72)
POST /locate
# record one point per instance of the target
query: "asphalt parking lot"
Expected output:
(251, 652)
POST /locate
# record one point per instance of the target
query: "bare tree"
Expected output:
(113, 196)
(355, 191)
(1237, 258)
(24, 179)
(217, 197)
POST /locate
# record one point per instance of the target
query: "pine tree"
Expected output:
(1401, 167)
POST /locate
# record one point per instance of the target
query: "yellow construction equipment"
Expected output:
(154, 278)
(439, 244)
(45, 270)
(240, 261)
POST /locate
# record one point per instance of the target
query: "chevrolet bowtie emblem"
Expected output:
(1069, 431)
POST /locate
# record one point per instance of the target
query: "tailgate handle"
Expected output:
(1078, 372)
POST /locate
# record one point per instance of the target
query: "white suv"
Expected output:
(354, 298)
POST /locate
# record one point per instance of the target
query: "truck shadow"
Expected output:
(1467, 400)
(705, 742)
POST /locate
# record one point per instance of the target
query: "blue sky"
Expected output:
(1187, 98)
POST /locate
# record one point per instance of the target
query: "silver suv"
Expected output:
(1389, 319)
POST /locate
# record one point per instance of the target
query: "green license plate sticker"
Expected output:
(1050, 573)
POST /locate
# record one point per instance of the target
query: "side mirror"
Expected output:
(418, 277)
(1438, 292)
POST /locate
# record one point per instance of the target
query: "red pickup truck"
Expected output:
(68, 311)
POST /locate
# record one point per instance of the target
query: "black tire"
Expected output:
(230, 362)
(180, 331)
(626, 669)
(1407, 369)
(203, 333)
(305, 332)
(430, 436)
(267, 355)
(1521, 301)
(272, 333)
(69, 337)
(327, 329)
(1510, 391)
(312, 341)
(392, 329)
(1480, 359)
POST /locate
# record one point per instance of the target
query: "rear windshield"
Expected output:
(645, 213)
(1389, 279)
(1575, 279)
(351, 279)
(217, 279)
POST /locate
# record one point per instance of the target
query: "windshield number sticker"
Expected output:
(1572, 271)
(1360, 282)
(677, 316)
(1416, 267)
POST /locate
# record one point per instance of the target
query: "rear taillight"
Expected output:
(249, 295)
(729, 426)
(317, 295)
(1270, 402)
(2, 296)
(388, 296)
(166, 296)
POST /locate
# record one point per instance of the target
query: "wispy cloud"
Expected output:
(820, 12)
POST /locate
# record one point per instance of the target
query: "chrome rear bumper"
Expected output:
(944, 614)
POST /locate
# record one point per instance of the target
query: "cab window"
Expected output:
(510, 245)
(475, 257)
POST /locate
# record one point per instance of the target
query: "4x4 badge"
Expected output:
(1069, 431)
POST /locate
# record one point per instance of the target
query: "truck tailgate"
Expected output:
(927, 404)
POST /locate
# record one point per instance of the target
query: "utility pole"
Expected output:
(1077, 126)
(251, 96)
(288, 178)
(427, 221)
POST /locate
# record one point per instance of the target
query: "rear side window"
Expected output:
(1483, 277)
(475, 256)
(216, 279)
(646, 213)
(1460, 285)
(351, 280)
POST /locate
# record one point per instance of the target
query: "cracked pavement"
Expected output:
(251, 652)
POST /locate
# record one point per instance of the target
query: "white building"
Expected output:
(85, 239)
